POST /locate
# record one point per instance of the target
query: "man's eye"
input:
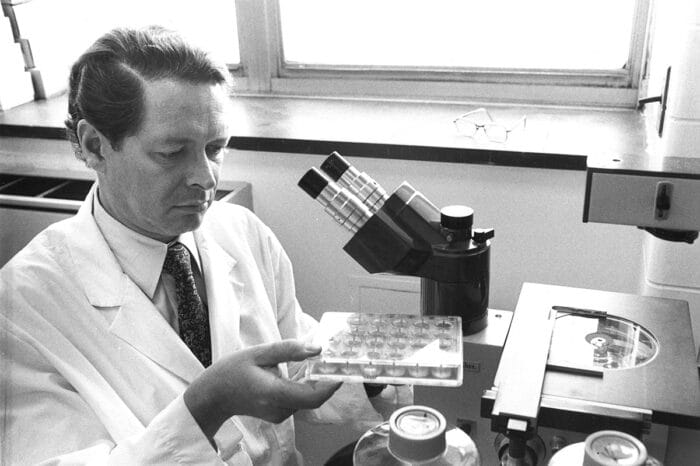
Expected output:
(213, 151)
(170, 154)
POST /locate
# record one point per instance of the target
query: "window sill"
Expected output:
(555, 137)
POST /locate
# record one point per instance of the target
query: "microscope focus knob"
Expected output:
(457, 217)
(481, 235)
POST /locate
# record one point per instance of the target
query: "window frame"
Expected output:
(264, 72)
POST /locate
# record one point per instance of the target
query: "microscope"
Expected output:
(567, 362)
(404, 233)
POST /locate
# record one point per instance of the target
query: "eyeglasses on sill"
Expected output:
(495, 132)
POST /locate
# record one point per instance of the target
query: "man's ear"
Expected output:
(93, 145)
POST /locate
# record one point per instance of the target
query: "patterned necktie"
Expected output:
(193, 318)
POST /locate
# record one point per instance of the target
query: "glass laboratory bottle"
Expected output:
(603, 448)
(415, 435)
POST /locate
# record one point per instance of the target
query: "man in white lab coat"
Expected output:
(98, 363)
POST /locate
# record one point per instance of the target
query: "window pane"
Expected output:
(208, 23)
(59, 31)
(536, 34)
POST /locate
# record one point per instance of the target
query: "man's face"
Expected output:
(162, 179)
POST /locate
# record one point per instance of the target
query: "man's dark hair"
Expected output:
(106, 82)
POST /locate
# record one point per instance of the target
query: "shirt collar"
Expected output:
(140, 257)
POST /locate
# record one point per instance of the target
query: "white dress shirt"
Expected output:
(142, 258)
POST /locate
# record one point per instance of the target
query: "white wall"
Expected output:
(672, 270)
(536, 213)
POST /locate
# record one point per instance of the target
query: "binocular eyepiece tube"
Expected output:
(368, 191)
(342, 205)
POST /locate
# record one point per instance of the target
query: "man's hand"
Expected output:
(247, 382)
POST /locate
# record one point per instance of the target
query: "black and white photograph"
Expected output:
(350, 233)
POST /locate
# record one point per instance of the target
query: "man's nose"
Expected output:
(203, 171)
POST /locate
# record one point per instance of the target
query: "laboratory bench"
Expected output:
(553, 137)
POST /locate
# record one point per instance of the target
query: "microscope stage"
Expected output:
(614, 353)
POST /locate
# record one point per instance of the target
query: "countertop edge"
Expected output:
(481, 156)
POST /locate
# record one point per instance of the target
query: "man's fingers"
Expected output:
(303, 395)
(271, 354)
(286, 393)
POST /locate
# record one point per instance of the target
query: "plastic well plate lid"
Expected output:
(389, 348)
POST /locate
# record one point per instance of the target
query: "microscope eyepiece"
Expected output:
(313, 182)
(335, 165)
(361, 185)
(338, 202)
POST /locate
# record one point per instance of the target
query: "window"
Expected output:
(574, 52)
(542, 51)
(210, 23)
(461, 34)
(58, 31)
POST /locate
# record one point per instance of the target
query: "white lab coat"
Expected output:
(91, 371)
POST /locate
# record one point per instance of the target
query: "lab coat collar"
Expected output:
(137, 321)
(99, 272)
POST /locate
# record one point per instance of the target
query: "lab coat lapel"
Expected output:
(222, 290)
(106, 286)
(96, 267)
(139, 323)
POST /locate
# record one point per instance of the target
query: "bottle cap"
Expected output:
(417, 433)
(611, 448)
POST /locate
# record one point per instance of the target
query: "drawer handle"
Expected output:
(663, 200)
